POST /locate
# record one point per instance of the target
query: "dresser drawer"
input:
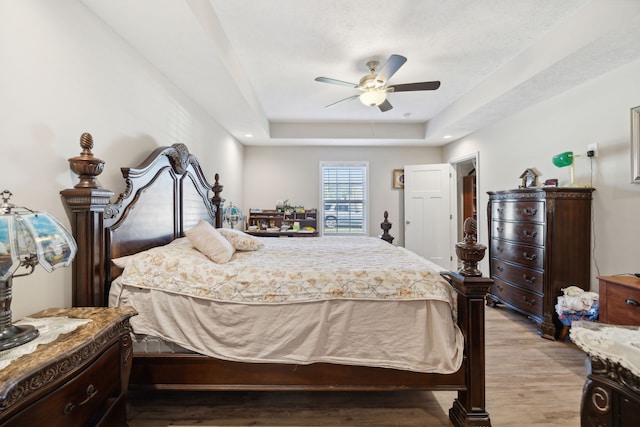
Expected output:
(523, 232)
(522, 276)
(620, 300)
(532, 211)
(80, 401)
(525, 301)
(528, 256)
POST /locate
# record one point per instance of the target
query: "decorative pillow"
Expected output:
(241, 241)
(205, 238)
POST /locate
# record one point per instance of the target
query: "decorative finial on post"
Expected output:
(386, 226)
(217, 200)
(469, 250)
(86, 166)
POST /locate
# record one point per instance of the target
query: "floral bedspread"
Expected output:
(292, 270)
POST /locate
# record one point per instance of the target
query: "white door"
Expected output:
(427, 211)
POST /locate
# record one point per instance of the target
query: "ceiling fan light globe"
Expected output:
(373, 98)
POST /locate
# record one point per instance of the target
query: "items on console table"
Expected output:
(539, 244)
(279, 223)
(78, 379)
(619, 299)
(611, 395)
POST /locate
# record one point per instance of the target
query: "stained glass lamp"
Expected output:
(27, 238)
(233, 215)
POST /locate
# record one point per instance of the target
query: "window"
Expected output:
(344, 197)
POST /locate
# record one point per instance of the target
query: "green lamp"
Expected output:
(564, 159)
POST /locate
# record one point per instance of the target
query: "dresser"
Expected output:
(540, 242)
(78, 379)
(619, 299)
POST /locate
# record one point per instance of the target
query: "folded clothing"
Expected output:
(576, 300)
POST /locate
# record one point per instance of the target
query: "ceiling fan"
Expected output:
(374, 86)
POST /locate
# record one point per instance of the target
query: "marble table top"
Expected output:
(619, 344)
(68, 349)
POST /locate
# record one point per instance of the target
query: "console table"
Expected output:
(78, 379)
(611, 395)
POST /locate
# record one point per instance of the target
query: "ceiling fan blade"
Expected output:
(385, 106)
(343, 100)
(390, 67)
(335, 82)
(407, 87)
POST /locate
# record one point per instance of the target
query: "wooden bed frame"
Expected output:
(167, 194)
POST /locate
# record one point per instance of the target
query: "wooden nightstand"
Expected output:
(79, 379)
(619, 300)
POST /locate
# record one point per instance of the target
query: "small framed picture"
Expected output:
(398, 178)
(551, 182)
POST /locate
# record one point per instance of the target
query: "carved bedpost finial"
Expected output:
(218, 201)
(469, 250)
(386, 226)
(86, 166)
(217, 189)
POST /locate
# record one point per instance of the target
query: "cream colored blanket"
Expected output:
(370, 304)
(292, 270)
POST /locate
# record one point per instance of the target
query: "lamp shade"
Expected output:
(34, 235)
(232, 215)
(563, 159)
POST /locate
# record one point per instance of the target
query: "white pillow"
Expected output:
(205, 238)
(241, 241)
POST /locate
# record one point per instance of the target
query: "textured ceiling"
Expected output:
(251, 64)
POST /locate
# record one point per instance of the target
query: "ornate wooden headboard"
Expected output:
(164, 195)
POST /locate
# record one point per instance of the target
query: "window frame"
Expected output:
(365, 203)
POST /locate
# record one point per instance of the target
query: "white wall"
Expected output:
(281, 173)
(64, 73)
(596, 112)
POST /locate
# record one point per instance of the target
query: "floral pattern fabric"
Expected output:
(292, 270)
(241, 241)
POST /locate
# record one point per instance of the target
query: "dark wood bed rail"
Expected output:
(172, 188)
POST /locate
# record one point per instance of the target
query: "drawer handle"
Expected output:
(529, 280)
(529, 234)
(500, 268)
(91, 392)
(499, 229)
(500, 211)
(529, 302)
(499, 288)
(499, 249)
(632, 302)
(529, 257)
(530, 211)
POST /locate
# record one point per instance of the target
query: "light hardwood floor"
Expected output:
(530, 382)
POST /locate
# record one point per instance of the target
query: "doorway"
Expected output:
(466, 170)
